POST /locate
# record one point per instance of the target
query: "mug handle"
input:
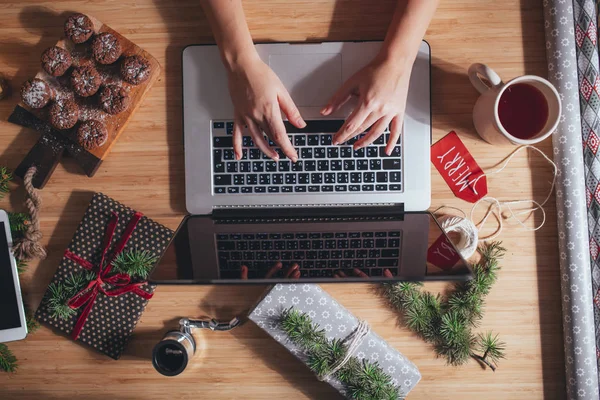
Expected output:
(476, 71)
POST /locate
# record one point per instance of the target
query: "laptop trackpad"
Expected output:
(311, 79)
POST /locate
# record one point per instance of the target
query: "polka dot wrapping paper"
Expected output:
(338, 323)
(112, 320)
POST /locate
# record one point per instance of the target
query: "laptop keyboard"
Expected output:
(319, 255)
(321, 168)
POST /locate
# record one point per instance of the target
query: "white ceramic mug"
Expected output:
(485, 113)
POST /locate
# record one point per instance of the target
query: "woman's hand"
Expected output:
(258, 98)
(382, 88)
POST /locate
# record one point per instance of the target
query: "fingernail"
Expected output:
(302, 123)
(388, 152)
(325, 110)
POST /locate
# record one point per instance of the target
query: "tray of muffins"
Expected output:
(90, 84)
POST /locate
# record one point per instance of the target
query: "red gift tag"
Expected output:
(458, 168)
(442, 254)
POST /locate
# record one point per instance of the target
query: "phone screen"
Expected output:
(9, 308)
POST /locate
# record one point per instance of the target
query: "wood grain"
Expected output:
(145, 171)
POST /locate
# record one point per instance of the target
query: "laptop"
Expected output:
(336, 214)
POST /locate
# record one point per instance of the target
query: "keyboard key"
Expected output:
(297, 166)
(329, 177)
(225, 245)
(379, 140)
(319, 152)
(349, 253)
(284, 166)
(316, 178)
(238, 179)
(343, 243)
(219, 167)
(362, 165)
(246, 189)
(317, 244)
(387, 262)
(336, 165)
(245, 166)
(222, 141)
(327, 188)
(300, 189)
(330, 244)
(277, 179)
(360, 153)
(286, 255)
(368, 243)
(333, 152)
(299, 140)
(247, 141)
(326, 140)
(391, 163)
(260, 189)
(355, 243)
(290, 179)
(341, 188)
(323, 255)
(382, 177)
(381, 188)
(220, 190)
(380, 234)
(217, 154)
(367, 234)
(228, 154)
(299, 255)
(308, 264)
(264, 179)
(321, 263)
(314, 235)
(254, 154)
(306, 152)
(370, 263)
(251, 179)
(323, 165)
(374, 253)
(395, 176)
(396, 152)
(394, 243)
(354, 188)
(375, 165)
(232, 166)
(222, 180)
(342, 177)
(301, 235)
(313, 140)
(287, 189)
(291, 245)
(368, 188)
(368, 177)
(273, 189)
(312, 255)
(346, 152)
(258, 166)
(349, 165)
(275, 236)
(333, 264)
(270, 166)
(229, 127)
(337, 254)
(395, 187)
(310, 165)
(304, 244)
(381, 243)
(355, 177)
(389, 253)
(218, 125)
(372, 152)
(354, 234)
(304, 179)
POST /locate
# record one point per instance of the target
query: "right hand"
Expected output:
(293, 272)
(258, 98)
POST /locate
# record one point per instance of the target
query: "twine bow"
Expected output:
(120, 282)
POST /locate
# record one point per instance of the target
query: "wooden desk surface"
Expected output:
(145, 171)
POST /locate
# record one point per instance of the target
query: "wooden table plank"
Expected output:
(145, 171)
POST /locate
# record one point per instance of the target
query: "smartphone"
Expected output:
(12, 312)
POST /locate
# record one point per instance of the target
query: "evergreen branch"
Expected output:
(447, 323)
(19, 222)
(361, 378)
(59, 293)
(5, 177)
(32, 324)
(135, 263)
(21, 266)
(8, 361)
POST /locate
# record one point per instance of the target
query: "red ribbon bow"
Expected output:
(120, 281)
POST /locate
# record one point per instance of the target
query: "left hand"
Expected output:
(382, 88)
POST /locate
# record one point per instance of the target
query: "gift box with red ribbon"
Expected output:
(102, 304)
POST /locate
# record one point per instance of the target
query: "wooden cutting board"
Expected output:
(89, 107)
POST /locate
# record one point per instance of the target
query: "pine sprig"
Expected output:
(135, 263)
(5, 177)
(8, 361)
(32, 324)
(447, 323)
(362, 379)
(59, 294)
(19, 222)
(21, 266)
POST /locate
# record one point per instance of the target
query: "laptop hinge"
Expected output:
(388, 212)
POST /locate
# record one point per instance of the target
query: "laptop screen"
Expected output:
(411, 246)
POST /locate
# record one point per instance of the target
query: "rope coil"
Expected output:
(29, 247)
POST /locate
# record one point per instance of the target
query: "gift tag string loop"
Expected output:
(354, 340)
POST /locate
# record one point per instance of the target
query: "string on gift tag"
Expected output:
(468, 230)
(355, 339)
(497, 204)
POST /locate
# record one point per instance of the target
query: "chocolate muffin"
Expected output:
(36, 93)
(106, 48)
(64, 114)
(91, 134)
(85, 80)
(114, 99)
(56, 61)
(135, 69)
(79, 28)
